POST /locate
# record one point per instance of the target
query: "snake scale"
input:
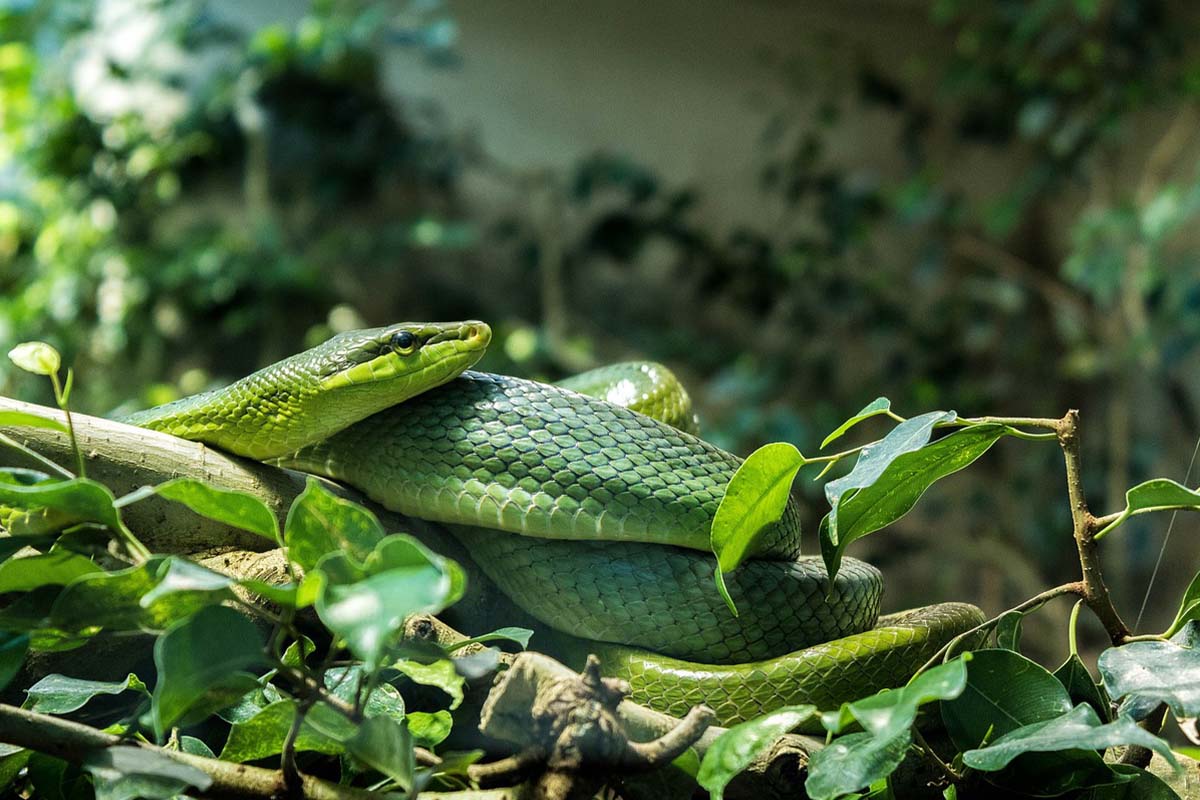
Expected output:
(588, 504)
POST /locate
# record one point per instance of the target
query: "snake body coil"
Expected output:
(595, 519)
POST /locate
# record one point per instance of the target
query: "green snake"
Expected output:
(611, 499)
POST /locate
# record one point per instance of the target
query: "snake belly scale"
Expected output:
(591, 516)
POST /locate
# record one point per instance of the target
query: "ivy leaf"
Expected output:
(24, 419)
(237, 509)
(1078, 729)
(201, 664)
(898, 488)
(56, 568)
(60, 694)
(203, 585)
(880, 405)
(320, 523)
(366, 603)
(36, 357)
(1155, 672)
(1159, 494)
(737, 748)
(387, 746)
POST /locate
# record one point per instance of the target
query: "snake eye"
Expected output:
(403, 342)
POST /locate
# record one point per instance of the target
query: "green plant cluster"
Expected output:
(162, 174)
(249, 695)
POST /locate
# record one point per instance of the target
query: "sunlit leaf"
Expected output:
(319, 523)
(112, 600)
(366, 604)
(263, 735)
(57, 568)
(519, 635)
(81, 499)
(890, 711)
(26, 420)
(202, 663)
(880, 405)
(755, 498)
(1160, 494)
(237, 509)
(897, 490)
(61, 694)
(429, 729)
(737, 748)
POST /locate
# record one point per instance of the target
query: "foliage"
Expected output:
(1020, 727)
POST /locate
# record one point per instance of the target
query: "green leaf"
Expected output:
(81, 499)
(1154, 671)
(112, 600)
(36, 357)
(735, 749)
(177, 575)
(385, 745)
(366, 604)
(56, 568)
(850, 763)
(755, 499)
(1081, 688)
(263, 735)
(1008, 630)
(26, 420)
(440, 674)
(1006, 691)
(519, 635)
(238, 509)
(60, 694)
(320, 523)
(429, 729)
(13, 647)
(126, 773)
(1078, 729)
(899, 488)
(1160, 494)
(890, 711)
(1189, 607)
(201, 662)
(880, 405)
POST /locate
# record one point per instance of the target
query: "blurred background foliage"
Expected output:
(186, 195)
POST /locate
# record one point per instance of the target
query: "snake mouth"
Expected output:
(441, 349)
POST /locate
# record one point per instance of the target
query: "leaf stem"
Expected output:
(1072, 642)
(61, 398)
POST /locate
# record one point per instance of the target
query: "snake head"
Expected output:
(404, 359)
